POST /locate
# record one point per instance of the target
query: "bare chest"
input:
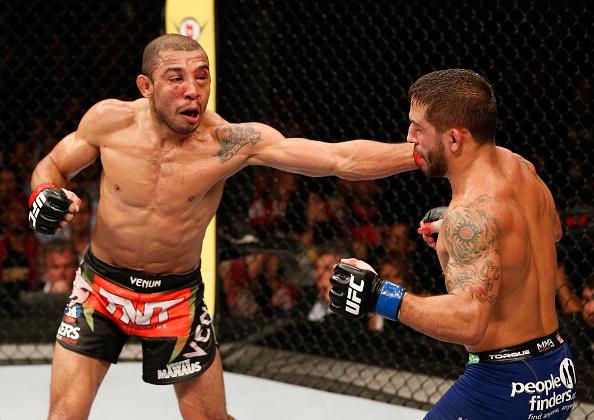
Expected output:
(144, 176)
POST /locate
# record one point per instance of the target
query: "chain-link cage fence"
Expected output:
(323, 70)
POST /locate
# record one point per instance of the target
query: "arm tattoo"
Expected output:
(232, 138)
(471, 236)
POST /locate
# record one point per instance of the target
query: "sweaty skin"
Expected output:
(166, 158)
(496, 247)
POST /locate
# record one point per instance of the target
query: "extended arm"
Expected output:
(352, 160)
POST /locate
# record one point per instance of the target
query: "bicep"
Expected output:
(259, 144)
(72, 154)
(472, 236)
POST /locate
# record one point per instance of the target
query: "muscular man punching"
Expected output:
(497, 250)
(165, 161)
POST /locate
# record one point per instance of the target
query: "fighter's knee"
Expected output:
(61, 412)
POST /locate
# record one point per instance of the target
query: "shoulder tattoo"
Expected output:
(232, 138)
(524, 162)
(472, 241)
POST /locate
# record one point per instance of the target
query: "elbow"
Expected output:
(474, 329)
(474, 336)
(350, 176)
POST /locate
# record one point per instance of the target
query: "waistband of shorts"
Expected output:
(140, 281)
(520, 352)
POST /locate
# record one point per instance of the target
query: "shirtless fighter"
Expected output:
(165, 161)
(497, 250)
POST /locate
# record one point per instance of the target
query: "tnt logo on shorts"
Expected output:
(164, 314)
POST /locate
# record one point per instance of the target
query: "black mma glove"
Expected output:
(357, 292)
(433, 215)
(48, 205)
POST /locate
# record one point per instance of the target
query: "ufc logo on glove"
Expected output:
(357, 292)
(48, 205)
(353, 303)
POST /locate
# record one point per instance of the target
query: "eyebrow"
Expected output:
(173, 69)
(182, 69)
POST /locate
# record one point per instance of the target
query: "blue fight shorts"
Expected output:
(535, 380)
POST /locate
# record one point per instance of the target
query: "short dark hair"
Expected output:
(167, 42)
(457, 98)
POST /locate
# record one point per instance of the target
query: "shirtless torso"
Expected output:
(165, 160)
(509, 206)
(496, 244)
(157, 197)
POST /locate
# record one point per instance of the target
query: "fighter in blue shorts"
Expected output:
(535, 380)
(496, 247)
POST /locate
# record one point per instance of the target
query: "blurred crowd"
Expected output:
(278, 242)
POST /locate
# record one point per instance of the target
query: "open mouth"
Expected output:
(190, 113)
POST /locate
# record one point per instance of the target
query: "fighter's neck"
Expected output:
(464, 173)
(164, 136)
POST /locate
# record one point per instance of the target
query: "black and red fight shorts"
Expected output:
(166, 312)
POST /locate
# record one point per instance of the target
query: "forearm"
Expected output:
(357, 291)
(442, 317)
(366, 159)
(47, 171)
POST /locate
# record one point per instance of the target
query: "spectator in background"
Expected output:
(237, 278)
(397, 241)
(323, 268)
(273, 191)
(42, 136)
(22, 161)
(588, 302)
(400, 249)
(9, 190)
(577, 322)
(366, 230)
(317, 223)
(275, 296)
(18, 255)
(567, 301)
(396, 271)
(59, 262)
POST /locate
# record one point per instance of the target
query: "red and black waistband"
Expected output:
(140, 281)
(523, 351)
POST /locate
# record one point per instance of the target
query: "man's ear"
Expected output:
(145, 85)
(457, 138)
